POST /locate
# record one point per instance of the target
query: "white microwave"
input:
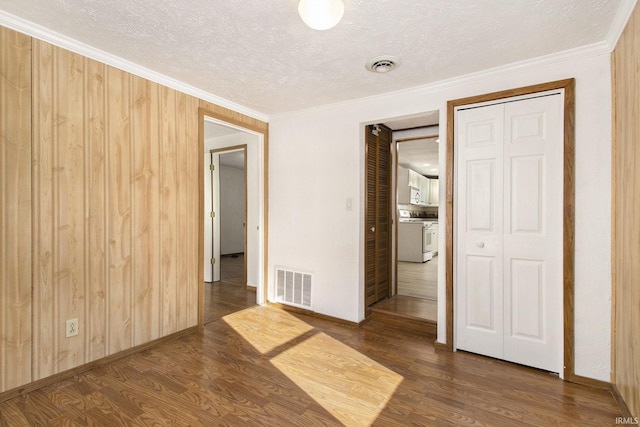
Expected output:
(415, 196)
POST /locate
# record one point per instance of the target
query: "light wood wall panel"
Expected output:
(96, 210)
(116, 219)
(119, 334)
(100, 186)
(15, 209)
(626, 214)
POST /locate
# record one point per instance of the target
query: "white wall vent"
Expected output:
(293, 288)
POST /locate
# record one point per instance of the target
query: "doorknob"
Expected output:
(373, 229)
(480, 244)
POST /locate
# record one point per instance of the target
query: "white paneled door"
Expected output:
(509, 160)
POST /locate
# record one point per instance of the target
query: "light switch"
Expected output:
(349, 204)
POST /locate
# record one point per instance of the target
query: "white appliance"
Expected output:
(434, 238)
(415, 238)
(415, 197)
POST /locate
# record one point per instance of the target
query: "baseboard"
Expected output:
(310, 313)
(625, 412)
(251, 288)
(422, 327)
(44, 382)
(438, 346)
(590, 382)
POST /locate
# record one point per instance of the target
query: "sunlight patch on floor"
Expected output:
(348, 384)
(266, 328)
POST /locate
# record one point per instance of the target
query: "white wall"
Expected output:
(316, 163)
(231, 210)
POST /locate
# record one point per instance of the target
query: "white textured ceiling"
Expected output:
(421, 155)
(259, 54)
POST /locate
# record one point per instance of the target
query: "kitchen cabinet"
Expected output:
(404, 191)
(424, 190)
(414, 179)
(409, 179)
(434, 191)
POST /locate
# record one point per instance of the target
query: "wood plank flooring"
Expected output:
(230, 293)
(263, 366)
(417, 293)
(409, 308)
(418, 280)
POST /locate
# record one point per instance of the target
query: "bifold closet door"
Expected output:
(509, 231)
(378, 214)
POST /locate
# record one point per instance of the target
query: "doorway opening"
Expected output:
(233, 219)
(414, 204)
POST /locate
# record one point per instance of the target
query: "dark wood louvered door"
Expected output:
(378, 214)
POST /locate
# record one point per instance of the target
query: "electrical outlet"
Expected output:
(72, 328)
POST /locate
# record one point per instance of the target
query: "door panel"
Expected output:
(378, 214)
(479, 224)
(481, 195)
(509, 231)
(482, 316)
(533, 158)
(527, 203)
(527, 279)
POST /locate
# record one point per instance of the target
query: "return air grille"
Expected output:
(293, 288)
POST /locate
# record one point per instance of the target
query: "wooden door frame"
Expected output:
(219, 151)
(568, 86)
(254, 126)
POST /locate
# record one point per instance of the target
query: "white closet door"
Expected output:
(479, 224)
(509, 231)
(533, 216)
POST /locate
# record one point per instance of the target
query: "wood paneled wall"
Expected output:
(15, 209)
(100, 192)
(116, 194)
(626, 214)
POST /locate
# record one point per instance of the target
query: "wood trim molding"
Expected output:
(38, 384)
(624, 409)
(232, 148)
(246, 122)
(568, 86)
(614, 217)
(201, 114)
(590, 382)
(310, 313)
(438, 346)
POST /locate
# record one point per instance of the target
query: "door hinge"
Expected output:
(213, 260)
(212, 167)
(213, 214)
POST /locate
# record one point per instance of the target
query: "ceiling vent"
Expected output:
(382, 64)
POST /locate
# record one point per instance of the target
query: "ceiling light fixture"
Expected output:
(321, 14)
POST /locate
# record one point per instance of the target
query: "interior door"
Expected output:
(479, 223)
(378, 213)
(209, 251)
(509, 231)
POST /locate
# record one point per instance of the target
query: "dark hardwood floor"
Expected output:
(230, 293)
(263, 366)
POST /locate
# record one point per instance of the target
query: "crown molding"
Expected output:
(620, 22)
(39, 32)
(596, 49)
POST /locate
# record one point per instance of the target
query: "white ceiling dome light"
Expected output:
(321, 14)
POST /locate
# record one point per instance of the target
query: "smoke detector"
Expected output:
(382, 64)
